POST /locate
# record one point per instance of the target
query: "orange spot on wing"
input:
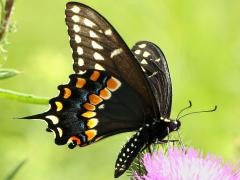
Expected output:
(92, 123)
(95, 75)
(91, 134)
(105, 94)
(80, 82)
(94, 99)
(89, 107)
(76, 139)
(89, 114)
(113, 84)
(59, 105)
(67, 93)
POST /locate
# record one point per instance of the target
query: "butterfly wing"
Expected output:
(154, 64)
(108, 94)
(92, 106)
(97, 45)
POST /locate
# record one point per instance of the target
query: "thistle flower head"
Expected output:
(178, 164)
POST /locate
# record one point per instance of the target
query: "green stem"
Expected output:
(15, 171)
(22, 97)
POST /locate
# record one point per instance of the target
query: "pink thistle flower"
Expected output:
(190, 165)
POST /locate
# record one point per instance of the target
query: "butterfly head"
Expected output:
(174, 125)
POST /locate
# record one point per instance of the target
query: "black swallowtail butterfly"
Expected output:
(113, 90)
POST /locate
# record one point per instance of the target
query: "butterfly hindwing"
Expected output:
(154, 65)
(97, 45)
(90, 107)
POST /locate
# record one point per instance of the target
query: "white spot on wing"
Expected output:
(76, 19)
(60, 132)
(80, 62)
(88, 22)
(146, 54)
(99, 67)
(158, 60)
(95, 45)
(98, 56)
(80, 51)
(93, 34)
(108, 32)
(116, 52)
(101, 106)
(142, 45)
(138, 51)
(54, 119)
(82, 72)
(76, 28)
(77, 38)
(75, 9)
(144, 61)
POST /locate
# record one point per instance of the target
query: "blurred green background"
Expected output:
(201, 40)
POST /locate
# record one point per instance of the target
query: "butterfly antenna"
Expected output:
(189, 106)
(212, 110)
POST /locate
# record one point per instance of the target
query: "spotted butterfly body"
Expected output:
(113, 89)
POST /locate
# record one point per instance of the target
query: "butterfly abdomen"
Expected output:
(131, 150)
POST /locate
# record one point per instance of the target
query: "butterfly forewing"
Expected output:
(154, 64)
(97, 45)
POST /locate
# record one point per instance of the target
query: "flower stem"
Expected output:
(22, 97)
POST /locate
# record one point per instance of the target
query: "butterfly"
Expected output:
(113, 90)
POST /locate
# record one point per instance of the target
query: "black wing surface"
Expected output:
(109, 93)
(154, 64)
(92, 106)
(97, 45)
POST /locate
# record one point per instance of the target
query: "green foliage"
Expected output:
(21, 97)
(7, 73)
(15, 171)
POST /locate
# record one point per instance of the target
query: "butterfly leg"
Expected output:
(180, 141)
(168, 138)
(167, 141)
(149, 148)
(155, 145)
